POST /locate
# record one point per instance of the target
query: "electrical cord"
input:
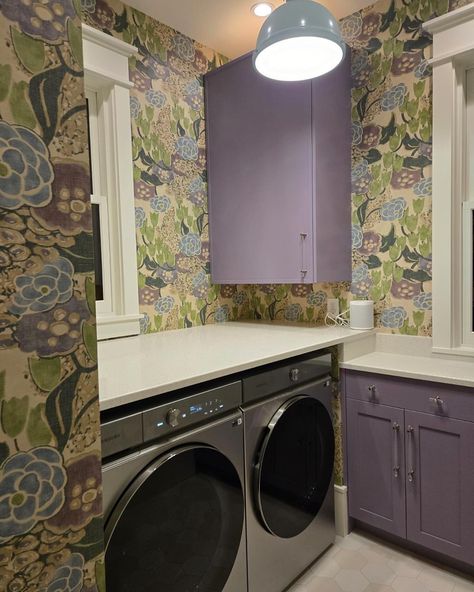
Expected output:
(337, 320)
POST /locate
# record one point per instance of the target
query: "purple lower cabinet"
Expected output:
(376, 465)
(440, 484)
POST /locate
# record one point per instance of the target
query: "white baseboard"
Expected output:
(341, 510)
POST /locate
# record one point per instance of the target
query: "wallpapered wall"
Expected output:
(50, 480)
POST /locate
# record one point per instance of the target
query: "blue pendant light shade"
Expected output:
(298, 41)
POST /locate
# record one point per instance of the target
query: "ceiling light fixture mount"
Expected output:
(262, 9)
(300, 40)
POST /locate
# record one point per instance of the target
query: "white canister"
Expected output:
(362, 314)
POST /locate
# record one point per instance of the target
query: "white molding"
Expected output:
(341, 510)
(450, 19)
(453, 55)
(107, 41)
(107, 76)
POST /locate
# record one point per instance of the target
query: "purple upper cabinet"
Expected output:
(279, 176)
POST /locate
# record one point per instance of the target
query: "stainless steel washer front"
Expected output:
(175, 510)
(289, 458)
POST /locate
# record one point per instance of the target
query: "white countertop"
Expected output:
(408, 357)
(135, 368)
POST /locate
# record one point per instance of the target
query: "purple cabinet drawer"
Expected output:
(443, 400)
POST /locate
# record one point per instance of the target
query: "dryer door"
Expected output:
(294, 468)
(178, 526)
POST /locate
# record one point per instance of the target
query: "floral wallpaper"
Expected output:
(168, 131)
(50, 479)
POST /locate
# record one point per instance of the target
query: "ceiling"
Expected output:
(227, 26)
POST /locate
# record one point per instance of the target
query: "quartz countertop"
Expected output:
(134, 368)
(407, 357)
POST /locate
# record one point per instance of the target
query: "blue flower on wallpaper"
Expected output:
(293, 312)
(360, 61)
(184, 48)
(361, 280)
(316, 298)
(43, 290)
(360, 177)
(357, 132)
(140, 217)
(155, 98)
(31, 489)
(164, 304)
(357, 236)
(222, 314)
(135, 107)
(423, 188)
(423, 301)
(160, 204)
(144, 323)
(197, 184)
(187, 148)
(351, 27)
(393, 97)
(26, 174)
(393, 209)
(193, 87)
(423, 69)
(199, 279)
(190, 245)
(239, 298)
(394, 317)
(68, 577)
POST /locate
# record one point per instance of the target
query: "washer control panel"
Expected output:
(191, 410)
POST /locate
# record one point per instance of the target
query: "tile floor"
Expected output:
(359, 563)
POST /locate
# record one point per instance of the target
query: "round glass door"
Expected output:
(295, 466)
(178, 526)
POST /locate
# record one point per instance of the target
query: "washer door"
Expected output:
(294, 467)
(178, 526)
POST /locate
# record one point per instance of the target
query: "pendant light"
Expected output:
(300, 40)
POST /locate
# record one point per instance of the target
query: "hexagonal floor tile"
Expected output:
(349, 559)
(378, 573)
(351, 580)
(405, 584)
(436, 579)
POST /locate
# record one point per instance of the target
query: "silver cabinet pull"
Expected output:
(411, 470)
(372, 392)
(303, 271)
(396, 463)
(436, 400)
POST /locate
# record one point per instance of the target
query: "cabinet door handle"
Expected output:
(396, 463)
(436, 400)
(411, 463)
(372, 393)
(303, 271)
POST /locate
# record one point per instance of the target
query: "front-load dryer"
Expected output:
(174, 503)
(289, 458)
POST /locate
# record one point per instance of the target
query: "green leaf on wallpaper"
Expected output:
(376, 276)
(412, 107)
(419, 88)
(418, 205)
(411, 223)
(397, 48)
(376, 293)
(14, 414)
(5, 80)
(75, 40)
(388, 240)
(388, 130)
(388, 160)
(2, 385)
(388, 17)
(29, 51)
(441, 6)
(425, 133)
(46, 372)
(394, 252)
(397, 163)
(373, 262)
(90, 340)
(418, 317)
(395, 27)
(397, 273)
(309, 313)
(388, 47)
(425, 249)
(19, 105)
(386, 285)
(416, 276)
(394, 142)
(413, 125)
(90, 295)
(37, 429)
(413, 240)
(413, 7)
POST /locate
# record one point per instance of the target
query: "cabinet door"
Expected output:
(376, 466)
(260, 176)
(440, 484)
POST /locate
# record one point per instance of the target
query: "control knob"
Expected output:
(294, 374)
(172, 417)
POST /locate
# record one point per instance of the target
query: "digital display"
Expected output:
(195, 409)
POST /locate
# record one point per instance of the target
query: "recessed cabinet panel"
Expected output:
(440, 484)
(376, 467)
(278, 176)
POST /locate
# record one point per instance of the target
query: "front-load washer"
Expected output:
(173, 495)
(289, 458)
